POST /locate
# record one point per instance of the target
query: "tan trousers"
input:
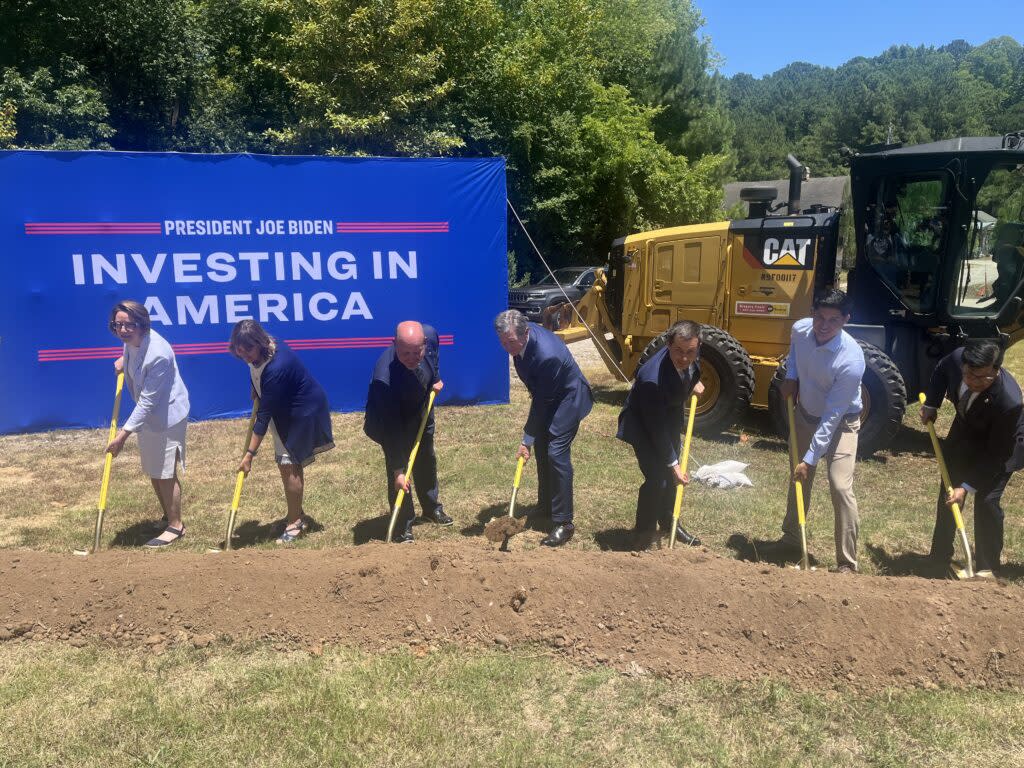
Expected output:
(840, 458)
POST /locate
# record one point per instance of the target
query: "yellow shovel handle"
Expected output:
(958, 518)
(236, 497)
(684, 464)
(943, 470)
(519, 472)
(412, 460)
(111, 434)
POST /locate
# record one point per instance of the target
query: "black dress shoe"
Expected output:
(438, 516)
(403, 535)
(685, 537)
(559, 535)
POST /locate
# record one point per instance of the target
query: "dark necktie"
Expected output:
(961, 406)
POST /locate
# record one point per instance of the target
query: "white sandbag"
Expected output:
(724, 474)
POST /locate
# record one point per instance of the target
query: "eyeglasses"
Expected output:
(969, 374)
(116, 326)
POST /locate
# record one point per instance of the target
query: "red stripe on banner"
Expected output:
(93, 227)
(215, 348)
(356, 227)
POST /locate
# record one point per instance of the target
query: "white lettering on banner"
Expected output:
(272, 304)
(79, 266)
(322, 306)
(349, 271)
(150, 275)
(237, 307)
(254, 259)
(356, 305)
(222, 269)
(208, 227)
(220, 266)
(310, 266)
(157, 313)
(207, 307)
(253, 267)
(185, 268)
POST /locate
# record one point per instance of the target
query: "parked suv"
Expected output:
(533, 299)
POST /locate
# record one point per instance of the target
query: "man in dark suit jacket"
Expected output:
(561, 399)
(983, 448)
(405, 374)
(652, 420)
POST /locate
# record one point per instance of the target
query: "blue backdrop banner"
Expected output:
(328, 254)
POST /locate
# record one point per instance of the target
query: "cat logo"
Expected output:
(790, 253)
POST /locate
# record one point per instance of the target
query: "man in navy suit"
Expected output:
(985, 446)
(405, 374)
(561, 399)
(652, 420)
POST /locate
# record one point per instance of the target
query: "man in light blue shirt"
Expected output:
(823, 372)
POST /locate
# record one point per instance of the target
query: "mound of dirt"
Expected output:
(676, 613)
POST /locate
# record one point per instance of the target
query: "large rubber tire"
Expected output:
(728, 378)
(882, 390)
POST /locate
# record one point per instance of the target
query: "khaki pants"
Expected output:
(840, 459)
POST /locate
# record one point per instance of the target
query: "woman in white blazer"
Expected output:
(160, 416)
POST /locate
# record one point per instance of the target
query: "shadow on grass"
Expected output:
(913, 442)
(609, 395)
(616, 539)
(906, 563)
(766, 551)
(371, 529)
(251, 533)
(138, 534)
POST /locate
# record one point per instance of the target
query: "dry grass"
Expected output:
(254, 707)
(49, 483)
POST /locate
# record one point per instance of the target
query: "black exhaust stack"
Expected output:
(798, 173)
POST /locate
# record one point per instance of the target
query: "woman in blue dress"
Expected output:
(293, 407)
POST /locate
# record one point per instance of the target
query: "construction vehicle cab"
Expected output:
(940, 258)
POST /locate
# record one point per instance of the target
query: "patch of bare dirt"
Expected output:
(677, 613)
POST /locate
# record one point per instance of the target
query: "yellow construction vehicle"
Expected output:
(940, 258)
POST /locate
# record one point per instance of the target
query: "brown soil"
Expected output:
(678, 613)
(502, 528)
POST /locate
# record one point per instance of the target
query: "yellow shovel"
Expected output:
(412, 460)
(798, 487)
(957, 517)
(515, 485)
(105, 483)
(683, 465)
(239, 479)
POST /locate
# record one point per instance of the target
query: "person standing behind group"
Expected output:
(403, 378)
(160, 416)
(823, 373)
(560, 400)
(652, 420)
(983, 449)
(293, 407)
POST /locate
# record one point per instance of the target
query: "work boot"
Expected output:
(404, 534)
(438, 516)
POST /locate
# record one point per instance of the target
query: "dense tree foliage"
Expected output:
(608, 111)
(908, 95)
